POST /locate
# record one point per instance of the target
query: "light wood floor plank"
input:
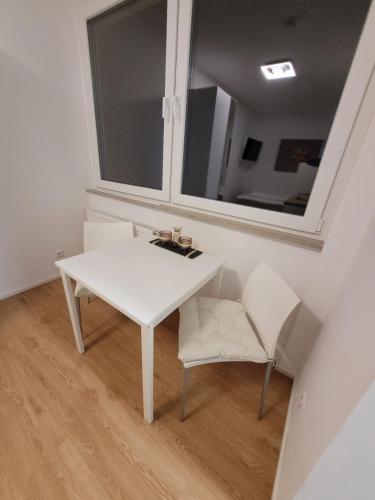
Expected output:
(71, 425)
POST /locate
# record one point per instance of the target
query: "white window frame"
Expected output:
(88, 10)
(177, 73)
(353, 93)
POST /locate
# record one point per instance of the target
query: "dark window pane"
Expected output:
(257, 141)
(127, 47)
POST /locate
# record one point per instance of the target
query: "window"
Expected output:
(258, 148)
(258, 101)
(130, 77)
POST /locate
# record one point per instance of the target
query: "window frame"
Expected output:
(179, 20)
(348, 107)
(88, 12)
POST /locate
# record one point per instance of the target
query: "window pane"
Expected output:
(127, 48)
(256, 137)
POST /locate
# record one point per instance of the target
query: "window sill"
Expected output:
(288, 235)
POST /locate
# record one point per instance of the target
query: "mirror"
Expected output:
(265, 81)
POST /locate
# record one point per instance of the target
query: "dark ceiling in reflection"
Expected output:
(319, 36)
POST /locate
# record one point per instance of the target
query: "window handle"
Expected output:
(176, 108)
(166, 112)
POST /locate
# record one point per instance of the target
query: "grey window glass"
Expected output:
(127, 49)
(256, 141)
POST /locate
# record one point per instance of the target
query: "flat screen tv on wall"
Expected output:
(252, 149)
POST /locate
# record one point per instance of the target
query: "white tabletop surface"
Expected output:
(143, 281)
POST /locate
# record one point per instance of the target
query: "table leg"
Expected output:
(148, 373)
(74, 311)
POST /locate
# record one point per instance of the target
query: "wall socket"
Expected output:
(301, 402)
(59, 254)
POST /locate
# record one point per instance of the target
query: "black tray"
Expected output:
(190, 253)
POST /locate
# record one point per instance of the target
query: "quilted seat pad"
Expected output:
(217, 329)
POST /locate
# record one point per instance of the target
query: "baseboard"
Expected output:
(276, 483)
(28, 287)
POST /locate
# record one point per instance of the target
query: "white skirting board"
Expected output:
(29, 287)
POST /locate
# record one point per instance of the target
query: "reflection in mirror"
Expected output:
(265, 81)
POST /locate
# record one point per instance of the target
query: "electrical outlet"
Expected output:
(59, 254)
(301, 402)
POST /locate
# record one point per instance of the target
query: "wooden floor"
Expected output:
(71, 425)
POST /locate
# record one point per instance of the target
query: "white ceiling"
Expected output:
(235, 37)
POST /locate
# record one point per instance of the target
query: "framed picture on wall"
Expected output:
(292, 152)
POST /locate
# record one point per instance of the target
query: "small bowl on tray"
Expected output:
(165, 236)
(185, 242)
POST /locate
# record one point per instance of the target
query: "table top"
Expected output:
(143, 281)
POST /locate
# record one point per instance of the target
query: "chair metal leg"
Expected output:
(78, 305)
(185, 386)
(267, 376)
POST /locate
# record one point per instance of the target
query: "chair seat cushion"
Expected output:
(217, 330)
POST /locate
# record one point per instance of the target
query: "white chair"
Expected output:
(217, 330)
(100, 235)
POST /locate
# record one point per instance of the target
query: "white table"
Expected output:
(144, 282)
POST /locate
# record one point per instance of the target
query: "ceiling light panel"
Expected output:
(278, 70)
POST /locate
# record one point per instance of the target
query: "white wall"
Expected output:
(346, 469)
(342, 342)
(43, 140)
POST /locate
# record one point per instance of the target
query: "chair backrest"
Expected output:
(269, 302)
(103, 234)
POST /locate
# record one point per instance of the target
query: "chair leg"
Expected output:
(264, 389)
(185, 386)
